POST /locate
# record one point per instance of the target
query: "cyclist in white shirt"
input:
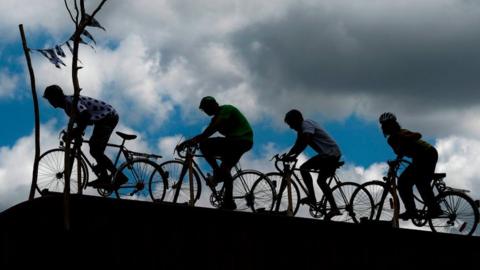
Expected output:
(309, 133)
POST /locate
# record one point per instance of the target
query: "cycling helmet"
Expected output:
(53, 91)
(387, 117)
(206, 101)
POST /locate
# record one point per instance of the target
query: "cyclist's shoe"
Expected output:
(307, 201)
(334, 212)
(120, 179)
(212, 180)
(228, 205)
(407, 215)
(435, 212)
(101, 182)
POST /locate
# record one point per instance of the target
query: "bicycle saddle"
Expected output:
(126, 136)
(438, 176)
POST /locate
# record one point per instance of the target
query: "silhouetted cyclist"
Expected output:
(309, 133)
(420, 173)
(103, 117)
(231, 123)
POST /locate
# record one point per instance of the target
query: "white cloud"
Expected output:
(127, 77)
(16, 166)
(8, 84)
(35, 15)
(171, 53)
(166, 145)
(459, 158)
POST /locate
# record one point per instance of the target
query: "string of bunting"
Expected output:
(55, 54)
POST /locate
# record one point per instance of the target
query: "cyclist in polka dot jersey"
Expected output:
(104, 119)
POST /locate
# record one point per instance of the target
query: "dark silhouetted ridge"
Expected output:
(117, 233)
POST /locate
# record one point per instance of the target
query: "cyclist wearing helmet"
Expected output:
(309, 133)
(230, 122)
(420, 173)
(103, 117)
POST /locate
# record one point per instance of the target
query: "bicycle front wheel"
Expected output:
(343, 195)
(139, 172)
(253, 190)
(460, 214)
(51, 172)
(281, 193)
(178, 185)
(382, 210)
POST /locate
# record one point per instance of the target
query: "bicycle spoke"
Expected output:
(460, 214)
(138, 173)
(51, 172)
(177, 187)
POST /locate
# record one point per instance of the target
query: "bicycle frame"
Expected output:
(127, 154)
(191, 165)
(287, 174)
(391, 182)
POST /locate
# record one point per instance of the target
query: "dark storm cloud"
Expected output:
(418, 57)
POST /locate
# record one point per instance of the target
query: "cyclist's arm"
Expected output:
(209, 131)
(303, 140)
(396, 147)
(82, 120)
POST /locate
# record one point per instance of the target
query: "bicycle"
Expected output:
(138, 167)
(289, 202)
(184, 186)
(460, 213)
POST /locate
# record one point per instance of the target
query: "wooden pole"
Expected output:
(289, 192)
(190, 182)
(26, 50)
(79, 29)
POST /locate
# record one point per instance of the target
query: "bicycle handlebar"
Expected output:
(284, 159)
(187, 149)
(63, 136)
(394, 165)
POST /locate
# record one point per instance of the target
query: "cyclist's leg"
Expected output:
(327, 166)
(211, 148)
(426, 169)
(405, 190)
(234, 151)
(98, 143)
(305, 169)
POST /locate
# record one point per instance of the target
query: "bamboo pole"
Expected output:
(26, 50)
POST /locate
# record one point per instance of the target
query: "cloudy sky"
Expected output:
(341, 62)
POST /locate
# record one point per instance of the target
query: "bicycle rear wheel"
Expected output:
(140, 172)
(343, 195)
(281, 194)
(51, 172)
(460, 214)
(253, 190)
(177, 188)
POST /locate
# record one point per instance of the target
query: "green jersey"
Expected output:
(232, 124)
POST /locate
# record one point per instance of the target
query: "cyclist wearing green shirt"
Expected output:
(231, 123)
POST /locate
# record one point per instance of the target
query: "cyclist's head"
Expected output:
(294, 119)
(389, 123)
(54, 94)
(209, 105)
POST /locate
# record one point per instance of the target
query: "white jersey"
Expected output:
(321, 141)
(97, 109)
